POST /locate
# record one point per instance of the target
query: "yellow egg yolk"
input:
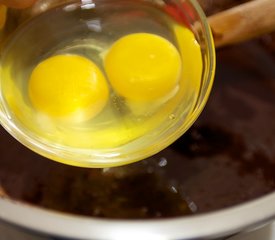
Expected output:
(68, 86)
(143, 66)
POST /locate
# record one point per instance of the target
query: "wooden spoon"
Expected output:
(243, 22)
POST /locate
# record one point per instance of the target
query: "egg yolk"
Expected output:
(68, 85)
(143, 66)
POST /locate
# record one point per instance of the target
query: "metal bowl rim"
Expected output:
(214, 224)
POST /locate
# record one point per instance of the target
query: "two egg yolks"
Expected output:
(139, 66)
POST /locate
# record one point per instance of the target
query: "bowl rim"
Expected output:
(219, 223)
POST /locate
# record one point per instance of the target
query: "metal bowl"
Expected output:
(222, 169)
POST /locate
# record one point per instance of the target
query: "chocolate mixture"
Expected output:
(226, 158)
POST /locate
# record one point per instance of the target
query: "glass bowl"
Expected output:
(132, 130)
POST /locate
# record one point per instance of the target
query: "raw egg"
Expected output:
(143, 66)
(68, 86)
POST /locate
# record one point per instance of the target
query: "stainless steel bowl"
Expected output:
(206, 226)
(240, 170)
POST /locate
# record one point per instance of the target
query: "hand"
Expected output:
(18, 3)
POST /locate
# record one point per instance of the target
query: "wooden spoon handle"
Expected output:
(243, 22)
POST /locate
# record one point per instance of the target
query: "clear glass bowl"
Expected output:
(54, 26)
